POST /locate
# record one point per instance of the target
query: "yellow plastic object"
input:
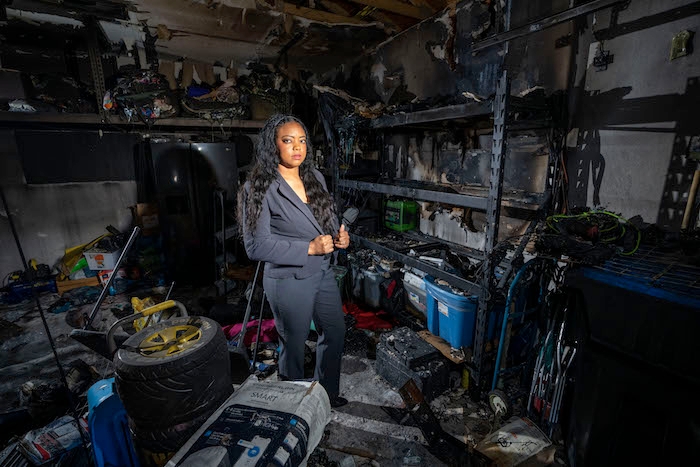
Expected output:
(465, 378)
(159, 307)
(73, 254)
(151, 311)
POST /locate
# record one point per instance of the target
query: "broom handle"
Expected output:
(105, 289)
(691, 199)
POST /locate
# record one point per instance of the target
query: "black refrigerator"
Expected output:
(194, 186)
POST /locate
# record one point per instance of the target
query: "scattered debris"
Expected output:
(8, 330)
(361, 107)
(443, 446)
(53, 441)
(20, 105)
(513, 443)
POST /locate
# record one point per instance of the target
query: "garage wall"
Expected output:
(433, 62)
(51, 217)
(633, 121)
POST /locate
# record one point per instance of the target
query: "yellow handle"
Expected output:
(159, 307)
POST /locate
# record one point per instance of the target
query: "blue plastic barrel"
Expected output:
(451, 316)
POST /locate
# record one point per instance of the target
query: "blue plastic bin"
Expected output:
(451, 316)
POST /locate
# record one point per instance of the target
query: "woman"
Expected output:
(288, 221)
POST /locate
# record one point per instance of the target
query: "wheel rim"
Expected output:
(169, 341)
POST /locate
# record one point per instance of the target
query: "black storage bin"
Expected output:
(638, 375)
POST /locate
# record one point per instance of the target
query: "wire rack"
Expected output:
(657, 269)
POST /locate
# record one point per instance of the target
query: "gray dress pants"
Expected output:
(294, 303)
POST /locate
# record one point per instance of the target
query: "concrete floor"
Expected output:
(360, 433)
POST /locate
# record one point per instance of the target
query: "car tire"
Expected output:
(173, 373)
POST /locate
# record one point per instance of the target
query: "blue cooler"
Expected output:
(451, 316)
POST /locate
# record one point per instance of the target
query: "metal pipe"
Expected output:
(61, 373)
(167, 296)
(246, 317)
(105, 290)
(257, 337)
(557, 362)
(557, 406)
(536, 371)
(511, 289)
(504, 326)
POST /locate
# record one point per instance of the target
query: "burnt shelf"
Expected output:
(468, 196)
(412, 261)
(23, 119)
(450, 112)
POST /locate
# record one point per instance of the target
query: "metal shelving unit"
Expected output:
(490, 199)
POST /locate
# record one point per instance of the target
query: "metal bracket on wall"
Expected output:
(493, 211)
(92, 28)
(602, 59)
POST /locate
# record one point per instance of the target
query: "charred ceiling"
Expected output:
(252, 45)
(313, 34)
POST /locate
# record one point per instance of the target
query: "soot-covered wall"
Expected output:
(53, 210)
(433, 62)
(633, 118)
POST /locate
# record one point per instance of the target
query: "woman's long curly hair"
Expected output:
(265, 171)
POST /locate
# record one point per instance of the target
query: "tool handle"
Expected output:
(164, 306)
(691, 199)
(105, 289)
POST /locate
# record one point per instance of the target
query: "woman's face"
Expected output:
(291, 143)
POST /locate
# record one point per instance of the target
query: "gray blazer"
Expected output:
(283, 232)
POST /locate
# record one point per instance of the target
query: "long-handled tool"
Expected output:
(105, 289)
(240, 361)
(88, 336)
(537, 374)
(692, 192)
(257, 336)
(239, 337)
(558, 396)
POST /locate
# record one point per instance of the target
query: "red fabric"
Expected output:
(367, 319)
(268, 333)
(390, 289)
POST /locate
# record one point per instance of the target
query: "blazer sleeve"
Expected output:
(260, 245)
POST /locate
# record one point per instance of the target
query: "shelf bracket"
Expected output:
(98, 76)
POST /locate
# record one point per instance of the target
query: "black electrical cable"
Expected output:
(62, 374)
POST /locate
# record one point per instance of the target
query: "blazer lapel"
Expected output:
(286, 191)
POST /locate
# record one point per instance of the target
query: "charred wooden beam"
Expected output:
(397, 7)
(318, 15)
